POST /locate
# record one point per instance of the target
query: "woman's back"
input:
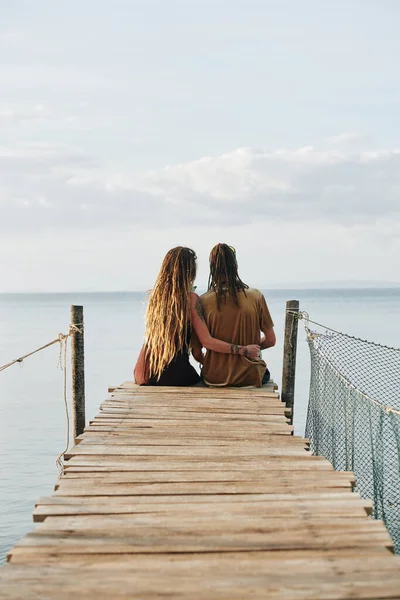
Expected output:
(179, 372)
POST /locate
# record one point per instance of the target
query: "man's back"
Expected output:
(237, 324)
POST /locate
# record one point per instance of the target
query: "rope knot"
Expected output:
(74, 329)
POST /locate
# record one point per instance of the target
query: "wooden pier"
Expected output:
(204, 494)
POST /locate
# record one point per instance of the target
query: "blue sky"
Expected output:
(130, 127)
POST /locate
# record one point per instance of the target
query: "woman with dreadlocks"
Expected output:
(173, 314)
(234, 311)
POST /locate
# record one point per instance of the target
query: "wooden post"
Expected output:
(289, 355)
(78, 371)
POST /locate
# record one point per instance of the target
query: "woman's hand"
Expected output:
(252, 351)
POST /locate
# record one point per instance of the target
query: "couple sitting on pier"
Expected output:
(226, 320)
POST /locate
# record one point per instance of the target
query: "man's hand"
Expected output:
(252, 351)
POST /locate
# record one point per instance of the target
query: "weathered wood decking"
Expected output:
(200, 493)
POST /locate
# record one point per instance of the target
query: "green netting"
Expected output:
(353, 415)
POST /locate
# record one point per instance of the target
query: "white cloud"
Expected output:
(241, 186)
(303, 183)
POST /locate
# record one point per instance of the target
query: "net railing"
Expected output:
(353, 414)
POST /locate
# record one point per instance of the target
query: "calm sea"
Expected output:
(32, 418)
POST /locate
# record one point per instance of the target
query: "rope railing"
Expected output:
(58, 340)
(353, 416)
(62, 340)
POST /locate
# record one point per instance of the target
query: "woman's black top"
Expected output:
(179, 372)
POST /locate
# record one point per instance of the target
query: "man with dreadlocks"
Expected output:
(236, 314)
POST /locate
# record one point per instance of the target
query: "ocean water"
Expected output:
(32, 417)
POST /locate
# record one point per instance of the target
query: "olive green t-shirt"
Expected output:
(237, 324)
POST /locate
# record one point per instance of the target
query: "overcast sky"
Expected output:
(128, 127)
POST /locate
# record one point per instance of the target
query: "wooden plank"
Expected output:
(138, 489)
(246, 574)
(171, 417)
(193, 403)
(334, 584)
(207, 389)
(192, 400)
(163, 532)
(286, 508)
(264, 445)
(161, 463)
(211, 560)
(202, 389)
(115, 439)
(195, 452)
(179, 412)
(327, 494)
(156, 436)
(326, 477)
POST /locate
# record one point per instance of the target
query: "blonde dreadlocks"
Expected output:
(224, 277)
(168, 310)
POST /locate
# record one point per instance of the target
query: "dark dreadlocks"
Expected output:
(224, 277)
